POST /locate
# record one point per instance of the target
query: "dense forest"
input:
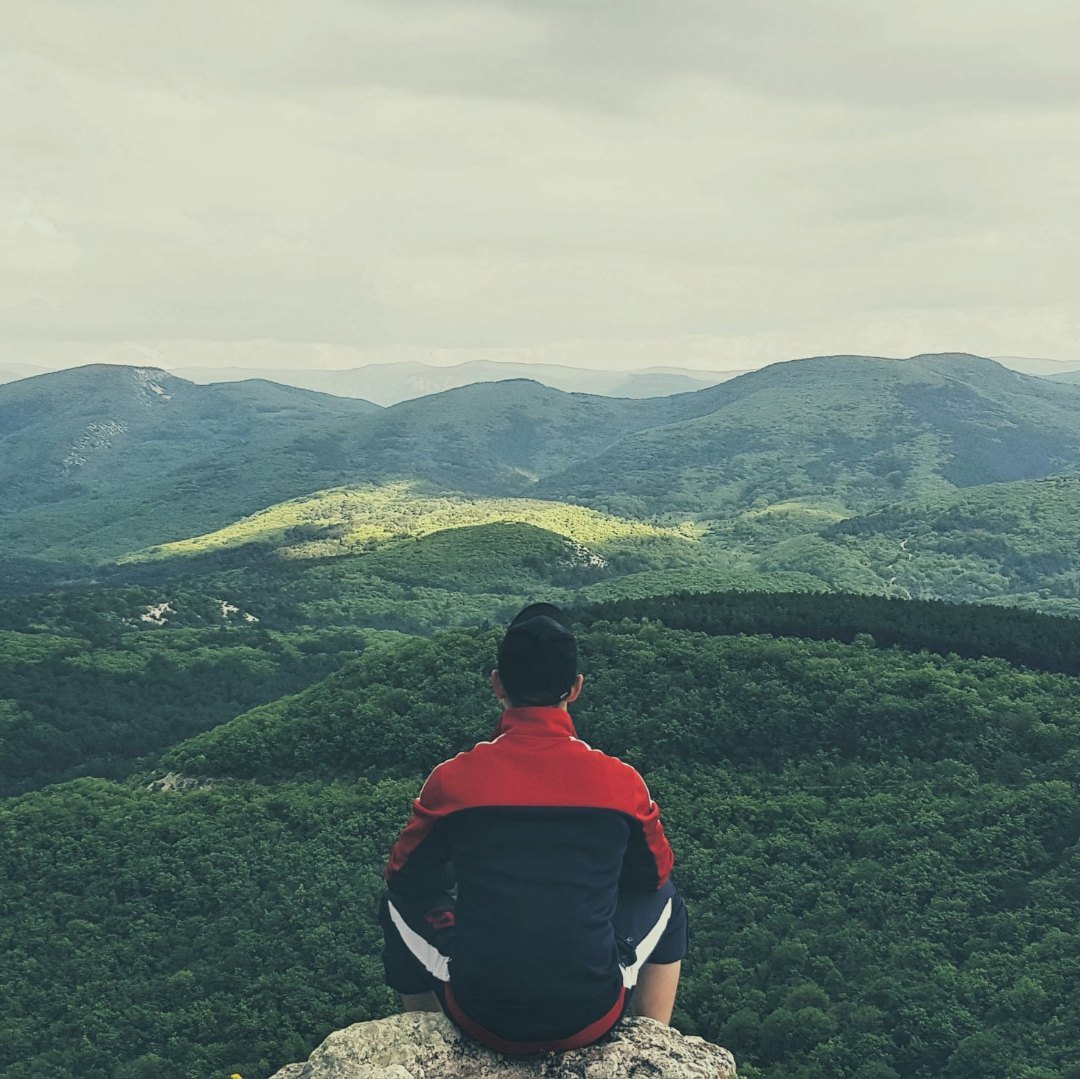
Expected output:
(878, 846)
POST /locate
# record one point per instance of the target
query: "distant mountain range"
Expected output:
(10, 372)
(389, 383)
(1037, 365)
(98, 463)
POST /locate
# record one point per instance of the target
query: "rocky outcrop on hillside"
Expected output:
(423, 1045)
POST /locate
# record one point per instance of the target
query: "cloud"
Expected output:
(617, 178)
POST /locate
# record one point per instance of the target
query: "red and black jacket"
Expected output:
(542, 831)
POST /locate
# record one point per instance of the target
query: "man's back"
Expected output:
(541, 830)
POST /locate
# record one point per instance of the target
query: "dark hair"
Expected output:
(538, 656)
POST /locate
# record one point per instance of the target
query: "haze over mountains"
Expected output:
(389, 383)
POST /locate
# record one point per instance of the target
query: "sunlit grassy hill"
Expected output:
(407, 556)
(349, 519)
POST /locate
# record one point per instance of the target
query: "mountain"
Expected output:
(1036, 365)
(852, 432)
(101, 461)
(97, 458)
(389, 383)
(1004, 542)
(1071, 377)
(500, 437)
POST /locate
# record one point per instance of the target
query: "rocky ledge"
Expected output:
(429, 1046)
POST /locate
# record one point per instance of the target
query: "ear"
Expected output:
(497, 687)
(575, 689)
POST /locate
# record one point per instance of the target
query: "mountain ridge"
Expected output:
(863, 430)
(390, 383)
(95, 453)
(104, 459)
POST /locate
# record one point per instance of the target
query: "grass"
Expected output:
(345, 520)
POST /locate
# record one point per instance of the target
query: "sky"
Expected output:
(603, 184)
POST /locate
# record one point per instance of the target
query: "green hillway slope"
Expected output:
(1004, 543)
(348, 519)
(854, 431)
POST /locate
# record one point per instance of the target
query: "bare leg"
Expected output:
(654, 994)
(420, 1002)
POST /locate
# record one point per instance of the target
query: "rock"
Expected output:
(176, 781)
(424, 1045)
(173, 781)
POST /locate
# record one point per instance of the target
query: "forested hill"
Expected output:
(787, 771)
(1003, 541)
(1037, 641)
(96, 457)
(858, 430)
(877, 844)
(403, 709)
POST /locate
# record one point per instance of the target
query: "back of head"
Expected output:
(538, 656)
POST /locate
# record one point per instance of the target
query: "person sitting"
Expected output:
(565, 918)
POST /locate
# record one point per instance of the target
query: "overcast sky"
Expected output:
(716, 184)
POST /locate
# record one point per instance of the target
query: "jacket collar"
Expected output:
(545, 721)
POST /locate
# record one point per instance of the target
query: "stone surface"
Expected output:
(423, 1045)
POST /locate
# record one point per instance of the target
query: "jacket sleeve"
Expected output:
(420, 859)
(649, 858)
